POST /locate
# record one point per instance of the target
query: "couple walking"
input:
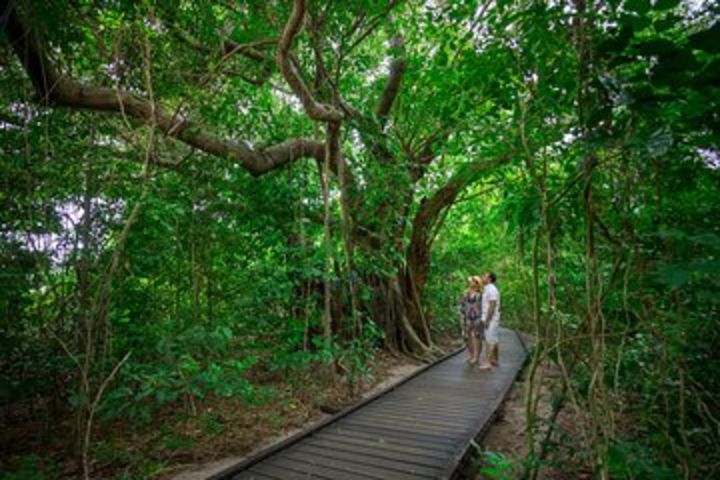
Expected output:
(480, 317)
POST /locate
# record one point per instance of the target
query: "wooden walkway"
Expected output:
(418, 429)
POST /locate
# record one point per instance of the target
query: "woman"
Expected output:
(470, 316)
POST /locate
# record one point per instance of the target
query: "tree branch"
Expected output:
(373, 24)
(229, 49)
(315, 110)
(431, 209)
(249, 50)
(397, 70)
(427, 152)
(56, 88)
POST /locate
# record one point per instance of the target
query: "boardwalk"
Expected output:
(418, 430)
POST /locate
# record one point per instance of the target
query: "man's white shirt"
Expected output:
(490, 293)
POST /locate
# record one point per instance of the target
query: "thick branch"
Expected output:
(397, 70)
(425, 221)
(315, 110)
(322, 78)
(59, 89)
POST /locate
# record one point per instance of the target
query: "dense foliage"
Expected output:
(199, 196)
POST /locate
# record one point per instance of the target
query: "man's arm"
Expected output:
(492, 305)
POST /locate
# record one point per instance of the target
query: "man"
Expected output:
(491, 318)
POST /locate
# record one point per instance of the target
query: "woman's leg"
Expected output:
(477, 348)
(467, 333)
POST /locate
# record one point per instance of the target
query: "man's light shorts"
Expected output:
(491, 334)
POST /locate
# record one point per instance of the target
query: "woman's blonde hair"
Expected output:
(474, 283)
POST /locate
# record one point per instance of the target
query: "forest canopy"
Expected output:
(201, 196)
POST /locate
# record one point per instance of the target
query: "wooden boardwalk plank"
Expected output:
(427, 451)
(417, 430)
(379, 452)
(404, 430)
(297, 469)
(401, 435)
(425, 412)
(366, 460)
(357, 465)
(440, 431)
(395, 439)
(415, 419)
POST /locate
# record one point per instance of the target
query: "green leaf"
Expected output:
(659, 143)
(666, 23)
(656, 47)
(666, 4)
(706, 40)
(618, 42)
(638, 6)
(636, 22)
(706, 239)
(77, 400)
(673, 276)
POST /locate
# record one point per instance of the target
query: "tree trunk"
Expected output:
(388, 309)
(396, 299)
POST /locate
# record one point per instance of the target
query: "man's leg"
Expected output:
(485, 365)
(493, 340)
(495, 354)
